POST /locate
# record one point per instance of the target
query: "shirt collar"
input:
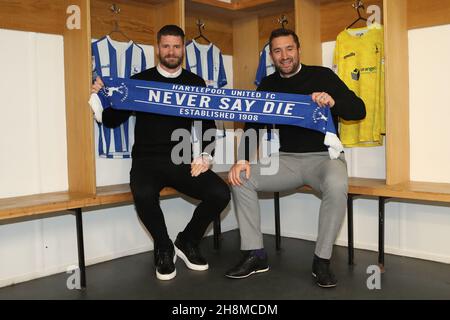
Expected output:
(166, 74)
(289, 76)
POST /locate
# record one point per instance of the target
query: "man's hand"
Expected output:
(98, 84)
(200, 165)
(323, 99)
(235, 172)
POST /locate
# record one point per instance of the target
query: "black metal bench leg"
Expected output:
(276, 200)
(217, 232)
(81, 263)
(350, 229)
(381, 208)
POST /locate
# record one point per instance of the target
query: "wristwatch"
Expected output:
(207, 155)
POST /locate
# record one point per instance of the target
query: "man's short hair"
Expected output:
(282, 32)
(170, 30)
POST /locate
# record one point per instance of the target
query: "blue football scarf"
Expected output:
(222, 104)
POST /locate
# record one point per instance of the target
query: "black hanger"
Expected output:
(201, 26)
(116, 29)
(115, 9)
(357, 5)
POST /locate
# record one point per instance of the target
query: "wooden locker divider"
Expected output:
(396, 91)
(307, 27)
(246, 50)
(79, 120)
(169, 12)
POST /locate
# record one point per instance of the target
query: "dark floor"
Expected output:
(289, 278)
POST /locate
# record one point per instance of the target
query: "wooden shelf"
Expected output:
(410, 190)
(121, 193)
(417, 190)
(38, 204)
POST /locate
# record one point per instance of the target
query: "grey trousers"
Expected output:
(326, 176)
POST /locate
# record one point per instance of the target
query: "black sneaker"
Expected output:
(165, 264)
(321, 271)
(249, 264)
(190, 254)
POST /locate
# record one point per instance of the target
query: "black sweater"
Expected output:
(153, 132)
(311, 79)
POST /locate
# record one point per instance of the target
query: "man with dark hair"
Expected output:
(303, 160)
(153, 169)
(282, 32)
(170, 30)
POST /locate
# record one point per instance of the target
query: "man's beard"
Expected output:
(293, 70)
(171, 65)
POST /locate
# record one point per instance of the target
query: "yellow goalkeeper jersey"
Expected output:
(359, 62)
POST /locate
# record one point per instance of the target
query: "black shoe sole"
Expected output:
(248, 275)
(323, 285)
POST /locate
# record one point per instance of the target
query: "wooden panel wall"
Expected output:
(218, 31)
(307, 17)
(245, 56)
(136, 20)
(337, 15)
(169, 12)
(397, 91)
(428, 13)
(44, 16)
(270, 22)
(79, 121)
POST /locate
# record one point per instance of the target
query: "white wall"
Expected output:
(32, 113)
(33, 147)
(429, 52)
(32, 139)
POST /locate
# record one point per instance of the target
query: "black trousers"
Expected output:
(149, 176)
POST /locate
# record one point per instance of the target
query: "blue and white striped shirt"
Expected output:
(123, 60)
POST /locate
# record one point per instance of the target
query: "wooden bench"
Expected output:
(419, 191)
(357, 187)
(37, 206)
